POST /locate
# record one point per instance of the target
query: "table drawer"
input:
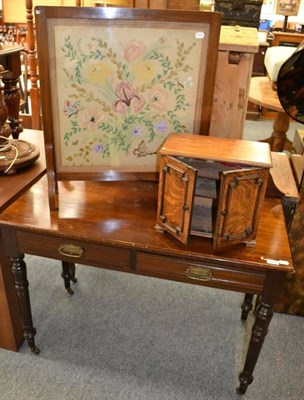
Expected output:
(74, 251)
(234, 278)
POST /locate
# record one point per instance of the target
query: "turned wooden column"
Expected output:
(21, 286)
(264, 313)
(10, 60)
(280, 127)
(246, 306)
(5, 130)
(11, 330)
(33, 66)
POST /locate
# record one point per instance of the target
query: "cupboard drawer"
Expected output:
(234, 278)
(74, 251)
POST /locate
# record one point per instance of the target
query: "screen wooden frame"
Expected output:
(52, 21)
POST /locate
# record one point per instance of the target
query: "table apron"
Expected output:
(216, 275)
(141, 262)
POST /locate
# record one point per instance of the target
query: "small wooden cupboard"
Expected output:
(212, 187)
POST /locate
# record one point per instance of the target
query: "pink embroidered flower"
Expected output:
(138, 103)
(120, 106)
(159, 99)
(90, 117)
(133, 50)
(127, 98)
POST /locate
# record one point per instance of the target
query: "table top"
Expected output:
(261, 93)
(12, 185)
(123, 214)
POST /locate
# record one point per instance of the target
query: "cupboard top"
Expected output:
(237, 38)
(218, 149)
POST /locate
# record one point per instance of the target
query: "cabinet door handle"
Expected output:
(70, 250)
(199, 273)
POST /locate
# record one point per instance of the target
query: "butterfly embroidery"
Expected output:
(71, 109)
(142, 150)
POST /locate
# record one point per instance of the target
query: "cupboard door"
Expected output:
(241, 195)
(176, 192)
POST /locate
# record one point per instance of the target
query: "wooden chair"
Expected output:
(33, 68)
(34, 94)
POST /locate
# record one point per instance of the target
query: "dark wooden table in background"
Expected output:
(111, 225)
(12, 186)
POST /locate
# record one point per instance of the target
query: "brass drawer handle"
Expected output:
(70, 250)
(199, 273)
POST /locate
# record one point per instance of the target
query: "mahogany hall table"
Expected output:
(11, 186)
(111, 225)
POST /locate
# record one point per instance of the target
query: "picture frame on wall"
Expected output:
(116, 82)
(288, 7)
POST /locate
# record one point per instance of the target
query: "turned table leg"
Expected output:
(72, 272)
(21, 285)
(246, 306)
(68, 275)
(272, 288)
(259, 331)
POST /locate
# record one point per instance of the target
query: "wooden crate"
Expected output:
(237, 49)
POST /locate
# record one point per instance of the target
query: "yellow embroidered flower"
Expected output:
(144, 71)
(98, 71)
